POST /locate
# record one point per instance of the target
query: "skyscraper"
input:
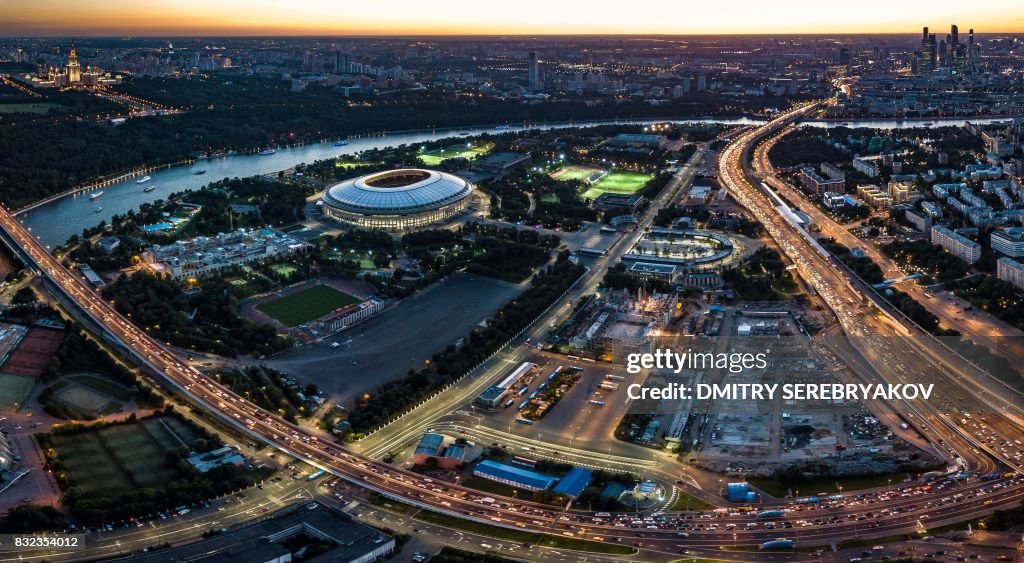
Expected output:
(340, 62)
(927, 51)
(533, 81)
(972, 55)
(74, 69)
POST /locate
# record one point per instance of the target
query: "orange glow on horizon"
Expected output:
(476, 17)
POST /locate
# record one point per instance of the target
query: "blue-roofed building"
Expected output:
(514, 476)
(456, 453)
(574, 482)
(430, 445)
(737, 492)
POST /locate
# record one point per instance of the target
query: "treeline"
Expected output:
(992, 295)
(763, 277)
(190, 489)
(48, 154)
(206, 320)
(507, 253)
(79, 353)
(809, 145)
(28, 518)
(394, 398)
(861, 265)
(558, 203)
(617, 277)
(943, 266)
(917, 313)
(267, 389)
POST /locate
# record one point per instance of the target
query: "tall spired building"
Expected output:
(74, 69)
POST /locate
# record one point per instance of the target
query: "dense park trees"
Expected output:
(206, 320)
(45, 154)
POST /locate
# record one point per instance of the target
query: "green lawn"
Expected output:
(780, 489)
(619, 182)
(105, 386)
(283, 269)
(306, 305)
(436, 156)
(686, 501)
(14, 389)
(41, 107)
(119, 458)
(494, 487)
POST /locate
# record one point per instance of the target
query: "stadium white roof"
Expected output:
(385, 192)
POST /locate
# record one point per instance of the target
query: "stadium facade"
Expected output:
(397, 200)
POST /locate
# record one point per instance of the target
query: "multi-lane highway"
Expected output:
(984, 329)
(849, 517)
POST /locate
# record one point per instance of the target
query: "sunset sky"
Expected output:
(393, 17)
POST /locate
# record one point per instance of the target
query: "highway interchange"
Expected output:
(878, 346)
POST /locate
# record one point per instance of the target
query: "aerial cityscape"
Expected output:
(288, 282)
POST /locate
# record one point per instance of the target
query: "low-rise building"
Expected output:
(108, 244)
(833, 200)
(900, 191)
(920, 221)
(866, 167)
(666, 272)
(932, 210)
(958, 245)
(873, 195)
(815, 184)
(205, 255)
(1010, 270)
(500, 163)
(832, 172)
(1009, 242)
(620, 203)
(431, 449)
(515, 476)
(226, 455)
(283, 537)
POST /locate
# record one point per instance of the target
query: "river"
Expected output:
(56, 221)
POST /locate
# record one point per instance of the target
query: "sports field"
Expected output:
(575, 172)
(283, 269)
(83, 399)
(434, 157)
(306, 305)
(119, 458)
(618, 182)
(13, 390)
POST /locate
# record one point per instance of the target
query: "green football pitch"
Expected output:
(306, 305)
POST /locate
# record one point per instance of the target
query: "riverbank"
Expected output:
(58, 217)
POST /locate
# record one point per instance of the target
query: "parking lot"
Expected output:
(402, 338)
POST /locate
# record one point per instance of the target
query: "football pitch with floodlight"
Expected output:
(434, 157)
(306, 305)
(576, 172)
(618, 182)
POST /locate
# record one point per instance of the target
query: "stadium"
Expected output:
(397, 199)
